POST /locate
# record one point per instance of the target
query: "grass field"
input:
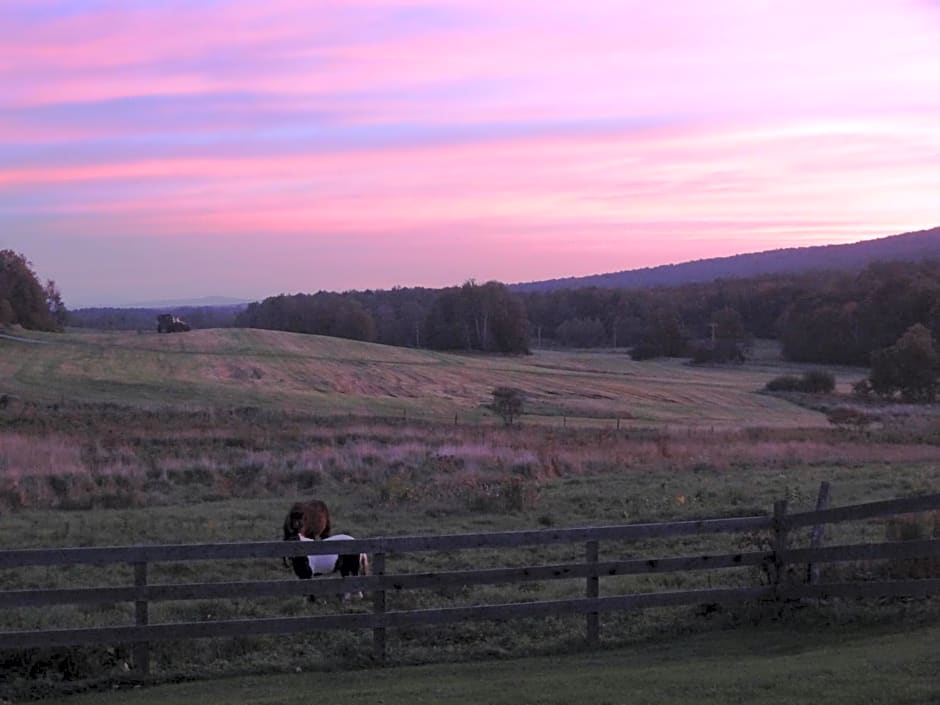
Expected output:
(771, 665)
(329, 376)
(109, 439)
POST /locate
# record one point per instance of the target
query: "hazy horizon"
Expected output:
(178, 150)
(224, 300)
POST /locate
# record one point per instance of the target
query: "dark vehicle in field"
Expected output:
(168, 323)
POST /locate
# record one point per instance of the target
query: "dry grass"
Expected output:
(76, 456)
(233, 367)
(22, 455)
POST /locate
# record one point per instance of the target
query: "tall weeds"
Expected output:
(83, 456)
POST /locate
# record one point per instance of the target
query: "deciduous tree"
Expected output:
(908, 367)
(26, 297)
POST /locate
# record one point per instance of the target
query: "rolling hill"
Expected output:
(235, 367)
(923, 244)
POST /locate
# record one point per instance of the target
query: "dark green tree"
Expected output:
(323, 313)
(581, 333)
(54, 304)
(6, 313)
(908, 367)
(663, 335)
(26, 297)
(485, 318)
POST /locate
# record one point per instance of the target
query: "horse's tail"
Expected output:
(363, 564)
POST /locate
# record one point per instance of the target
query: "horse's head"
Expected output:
(294, 521)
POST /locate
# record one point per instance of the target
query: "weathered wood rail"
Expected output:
(780, 525)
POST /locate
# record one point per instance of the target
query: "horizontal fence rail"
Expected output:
(104, 555)
(288, 625)
(778, 528)
(407, 581)
(870, 510)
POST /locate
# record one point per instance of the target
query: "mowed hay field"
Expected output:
(115, 439)
(330, 376)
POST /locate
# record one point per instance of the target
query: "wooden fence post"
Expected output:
(378, 608)
(141, 649)
(592, 589)
(818, 532)
(780, 540)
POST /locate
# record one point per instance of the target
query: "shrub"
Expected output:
(812, 382)
(508, 402)
(784, 383)
(844, 416)
(818, 382)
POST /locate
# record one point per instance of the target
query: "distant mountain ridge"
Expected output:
(189, 303)
(922, 244)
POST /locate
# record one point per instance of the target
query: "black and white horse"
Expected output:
(306, 567)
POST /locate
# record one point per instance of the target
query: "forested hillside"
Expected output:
(908, 247)
(834, 317)
(838, 315)
(827, 317)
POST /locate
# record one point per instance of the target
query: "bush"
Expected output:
(784, 383)
(509, 403)
(812, 382)
(846, 417)
(818, 382)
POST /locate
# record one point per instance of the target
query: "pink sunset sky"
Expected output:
(167, 149)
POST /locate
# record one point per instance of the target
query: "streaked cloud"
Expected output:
(307, 144)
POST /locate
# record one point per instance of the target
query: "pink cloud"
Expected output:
(667, 175)
(631, 132)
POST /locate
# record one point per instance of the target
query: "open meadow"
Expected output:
(316, 375)
(114, 439)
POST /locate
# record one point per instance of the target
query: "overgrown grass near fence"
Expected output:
(549, 632)
(99, 445)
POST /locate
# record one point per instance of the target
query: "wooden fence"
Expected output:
(780, 527)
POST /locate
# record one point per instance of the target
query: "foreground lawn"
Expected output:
(769, 665)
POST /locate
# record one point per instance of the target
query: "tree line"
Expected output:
(472, 317)
(826, 317)
(823, 317)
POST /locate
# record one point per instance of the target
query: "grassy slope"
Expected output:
(330, 376)
(771, 666)
(237, 367)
